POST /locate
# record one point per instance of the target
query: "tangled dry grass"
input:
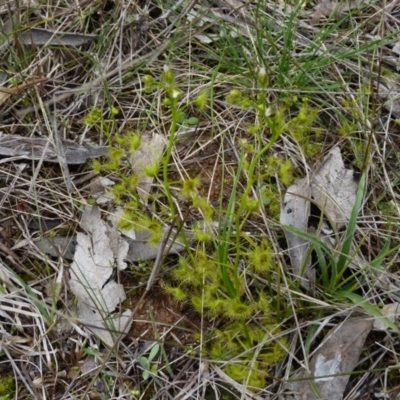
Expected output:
(339, 64)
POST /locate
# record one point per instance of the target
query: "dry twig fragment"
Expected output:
(27, 148)
(39, 36)
(5, 93)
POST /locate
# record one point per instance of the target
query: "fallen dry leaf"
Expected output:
(148, 154)
(337, 8)
(396, 48)
(141, 250)
(96, 254)
(58, 246)
(391, 312)
(295, 212)
(332, 363)
(115, 217)
(387, 89)
(334, 189)
(99, 190)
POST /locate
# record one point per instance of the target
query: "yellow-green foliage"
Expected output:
(95, 118)
(261, 257)
(251, 205)
(284, 169)
(190, 191)
(286, 172)
(119, 161)
(257, 352)
(247, 344)
(176, 292)
(215, 284)
(202, 100)
(135, 219)
(300, 125)
(262, 77)
(6, 386)
(237, 98)
(278, 119)
(202, 236)
(190, 186)
(301, 128)
(204, 206)
(123, 146)
(270, 198)
(347, 128)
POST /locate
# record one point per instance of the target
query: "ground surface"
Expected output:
(230, 102)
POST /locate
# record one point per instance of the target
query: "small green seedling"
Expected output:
(146, 362)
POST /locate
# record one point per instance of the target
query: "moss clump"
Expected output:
(6, 387)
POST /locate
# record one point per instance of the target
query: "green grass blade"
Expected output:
(312, 239)
(351, 228)
(368, 307)
(39, 304)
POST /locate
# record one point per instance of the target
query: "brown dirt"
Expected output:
(160, 316)
(215, 170)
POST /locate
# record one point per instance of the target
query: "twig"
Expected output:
(61, 155)
(128, 64)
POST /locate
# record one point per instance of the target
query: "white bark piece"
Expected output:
(114, 218)
(396, 48)
(332, 363)
(126, 245)
(387, 90)
(18, 147)
(149, 153)
(295, 212)
(119, 247)
(334, 189)
(141, 250)
(54, 246)
(391, 312)
(99, 189)
(96, 254)
(325, 234)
